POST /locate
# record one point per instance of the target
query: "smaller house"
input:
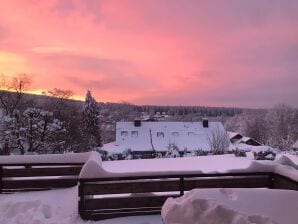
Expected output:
(248, 141)
(234, 136)
(237, 138)
(156, 117)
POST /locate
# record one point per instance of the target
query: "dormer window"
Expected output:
(160, 135)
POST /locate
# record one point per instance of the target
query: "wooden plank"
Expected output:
(92, 180)
(11, 191)
(1, 174)
(108, 215)
(39, 183)
(47, 171)
(42, 164)
(234, 182)
(126, 202)
(132, 186)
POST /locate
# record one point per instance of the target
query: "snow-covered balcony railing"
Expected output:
(40, 172)
(140, 187)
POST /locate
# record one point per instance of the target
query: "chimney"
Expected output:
(205, 123)
(137, 123)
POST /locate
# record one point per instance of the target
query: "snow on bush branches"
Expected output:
(34, 131)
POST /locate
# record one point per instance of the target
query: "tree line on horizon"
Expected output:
(53, 123)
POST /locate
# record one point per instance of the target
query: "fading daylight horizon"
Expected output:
(164, 52)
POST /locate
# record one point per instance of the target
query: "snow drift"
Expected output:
(49, 158)
(232, 206)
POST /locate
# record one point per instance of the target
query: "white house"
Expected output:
(234, 136)
(142, 136)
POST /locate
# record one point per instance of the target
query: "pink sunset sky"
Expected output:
(170, 52)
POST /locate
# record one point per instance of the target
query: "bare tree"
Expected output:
(61, 93)
(59, 100)
(18, 85)
(218, 141)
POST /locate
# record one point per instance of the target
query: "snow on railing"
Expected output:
(40, 172)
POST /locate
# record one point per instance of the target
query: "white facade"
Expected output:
(158, 135)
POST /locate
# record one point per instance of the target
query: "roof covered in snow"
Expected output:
(249, 141)
(233, 134)
(158, 135)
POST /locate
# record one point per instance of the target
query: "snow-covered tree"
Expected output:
(281, 126)
(276, 127)
(92, 127)
(35, 131)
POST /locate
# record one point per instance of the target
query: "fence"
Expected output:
(38, 176)
(104, 198)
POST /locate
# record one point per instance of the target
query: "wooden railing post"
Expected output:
(81, 205)
(271, 181)
(181, 186)
(1, 176)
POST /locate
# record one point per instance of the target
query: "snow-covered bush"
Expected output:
(158, 155)
(185, 153)
(201, 152)
(239, 153)
(113, 157)
(264, 155)
(127, 154)
(35, 131)
(173, 151)
(103, 154)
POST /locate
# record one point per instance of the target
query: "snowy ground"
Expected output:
(53, 207)
(233, 206)
(265, 206)
(223, 205)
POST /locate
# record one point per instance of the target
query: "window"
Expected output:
(124, 133)
(160, 135)
(191, 134)
(175, 134)
(134, 134)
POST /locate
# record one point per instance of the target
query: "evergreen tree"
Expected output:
(92, 122)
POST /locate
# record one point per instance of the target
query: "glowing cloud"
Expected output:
(240, 53)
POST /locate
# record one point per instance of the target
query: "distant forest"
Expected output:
(54, 123)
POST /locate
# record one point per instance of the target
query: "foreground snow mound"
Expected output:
(54, 207)
(46, 207)
(286, 161)
(191, 209)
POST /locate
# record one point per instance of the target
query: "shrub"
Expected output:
(264, 155)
